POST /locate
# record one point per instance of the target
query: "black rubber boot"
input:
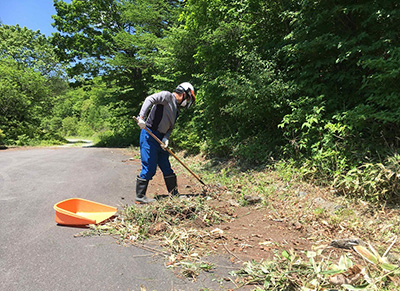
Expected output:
(170, 182)
(141, 188)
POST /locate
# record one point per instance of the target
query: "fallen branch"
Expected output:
(231, 253)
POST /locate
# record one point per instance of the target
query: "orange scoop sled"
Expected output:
(78, 211)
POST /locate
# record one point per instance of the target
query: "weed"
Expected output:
(192, 269)
(319, 212)
(170, 212)
(180, 241)
(315, 271)
(376, 182)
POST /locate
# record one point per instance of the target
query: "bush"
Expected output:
(70, 126)
(2, 137)
(23, 140)
(373, 181)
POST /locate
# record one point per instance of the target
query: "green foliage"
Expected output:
(92, 110)
(123, 46)
(29, 48)
(70, 126)
(240, 91)
(23, 94)
(2, 137)
(373, 181)
(29, 79)
(313, 83)
(86, 33)
(127, 48)
(289, 271)
(336, 57)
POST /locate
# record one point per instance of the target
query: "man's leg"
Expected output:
(169, 175)
(148, 157)
(141, 188)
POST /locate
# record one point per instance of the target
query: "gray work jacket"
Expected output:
(163, 113)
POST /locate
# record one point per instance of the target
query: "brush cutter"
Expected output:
(163, 145)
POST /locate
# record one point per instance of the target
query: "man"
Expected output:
(164, 110)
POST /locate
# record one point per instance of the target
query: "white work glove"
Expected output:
(165, 141)
(141, 123)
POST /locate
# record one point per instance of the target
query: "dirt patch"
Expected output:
(251, 233)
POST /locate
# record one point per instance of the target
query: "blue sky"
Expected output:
(34, 14)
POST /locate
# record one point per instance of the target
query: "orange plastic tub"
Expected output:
(78, 211)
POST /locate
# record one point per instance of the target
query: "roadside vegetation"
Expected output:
(353, 243)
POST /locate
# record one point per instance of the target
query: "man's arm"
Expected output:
(157, 98)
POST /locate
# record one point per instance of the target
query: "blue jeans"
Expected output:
(152, 155)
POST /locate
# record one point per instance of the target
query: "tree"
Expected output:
(85, 37)
(118, 39)
(242, 93)
(29, 80)
(23, 93)
(30, 48)
(123, 41)
(344, 59)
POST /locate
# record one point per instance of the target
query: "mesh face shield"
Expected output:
(189, 98)
(188, 94)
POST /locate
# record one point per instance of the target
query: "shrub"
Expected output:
(373, 181)
(70, 126)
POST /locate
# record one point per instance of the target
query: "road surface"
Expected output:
(38, 254)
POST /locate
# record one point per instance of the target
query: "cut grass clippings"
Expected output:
(323, 215)
(172, 221)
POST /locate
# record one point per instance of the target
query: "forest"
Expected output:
(313, 83)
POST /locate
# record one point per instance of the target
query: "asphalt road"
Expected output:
(38, 254)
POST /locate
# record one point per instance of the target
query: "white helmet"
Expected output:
(188, 94)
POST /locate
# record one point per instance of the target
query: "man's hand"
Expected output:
(165, 141)
(141, 123)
